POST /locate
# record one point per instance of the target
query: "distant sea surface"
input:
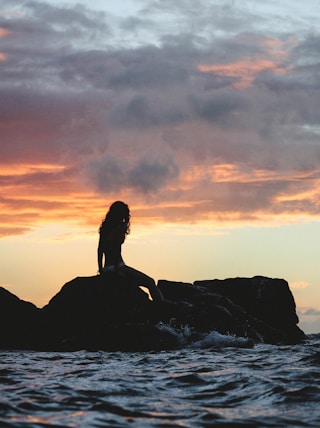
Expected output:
(216, 383)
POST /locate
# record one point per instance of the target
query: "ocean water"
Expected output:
(216, 382)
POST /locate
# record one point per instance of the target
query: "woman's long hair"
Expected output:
(118, 214)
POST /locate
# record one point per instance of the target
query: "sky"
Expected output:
(203, 116)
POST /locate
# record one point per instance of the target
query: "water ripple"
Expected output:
(267, 386)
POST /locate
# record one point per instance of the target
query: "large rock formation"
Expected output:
(107, 312)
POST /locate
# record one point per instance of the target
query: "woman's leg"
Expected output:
(143, 280)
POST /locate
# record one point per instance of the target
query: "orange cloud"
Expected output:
(33, 195)
(28, 168)
(278, 48)
(244, 70)
(232, 173)
(38, 193)
(4, 32)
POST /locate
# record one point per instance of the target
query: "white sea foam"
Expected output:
(187, 337)
(217, 340)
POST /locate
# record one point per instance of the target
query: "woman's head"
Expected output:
(118, 213)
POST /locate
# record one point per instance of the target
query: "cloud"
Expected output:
(146, 175)
(4, 32)
(210, 109)
(299, 284)
(150, 175)
(310, 312)
(309, 319)
(243, 71)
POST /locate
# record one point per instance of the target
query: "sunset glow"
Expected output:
(244, 71)
(4, 32)
(204, 119)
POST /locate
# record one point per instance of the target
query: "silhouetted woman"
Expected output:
(113, 231)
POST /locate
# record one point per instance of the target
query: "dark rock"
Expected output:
(269, 300)
(214, 311)
(177, 291)
(93, 306)
(107, 312)
(19, 320)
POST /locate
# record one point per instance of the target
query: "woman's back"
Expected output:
(111, 239)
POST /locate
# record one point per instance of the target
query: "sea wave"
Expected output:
(213, 381)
